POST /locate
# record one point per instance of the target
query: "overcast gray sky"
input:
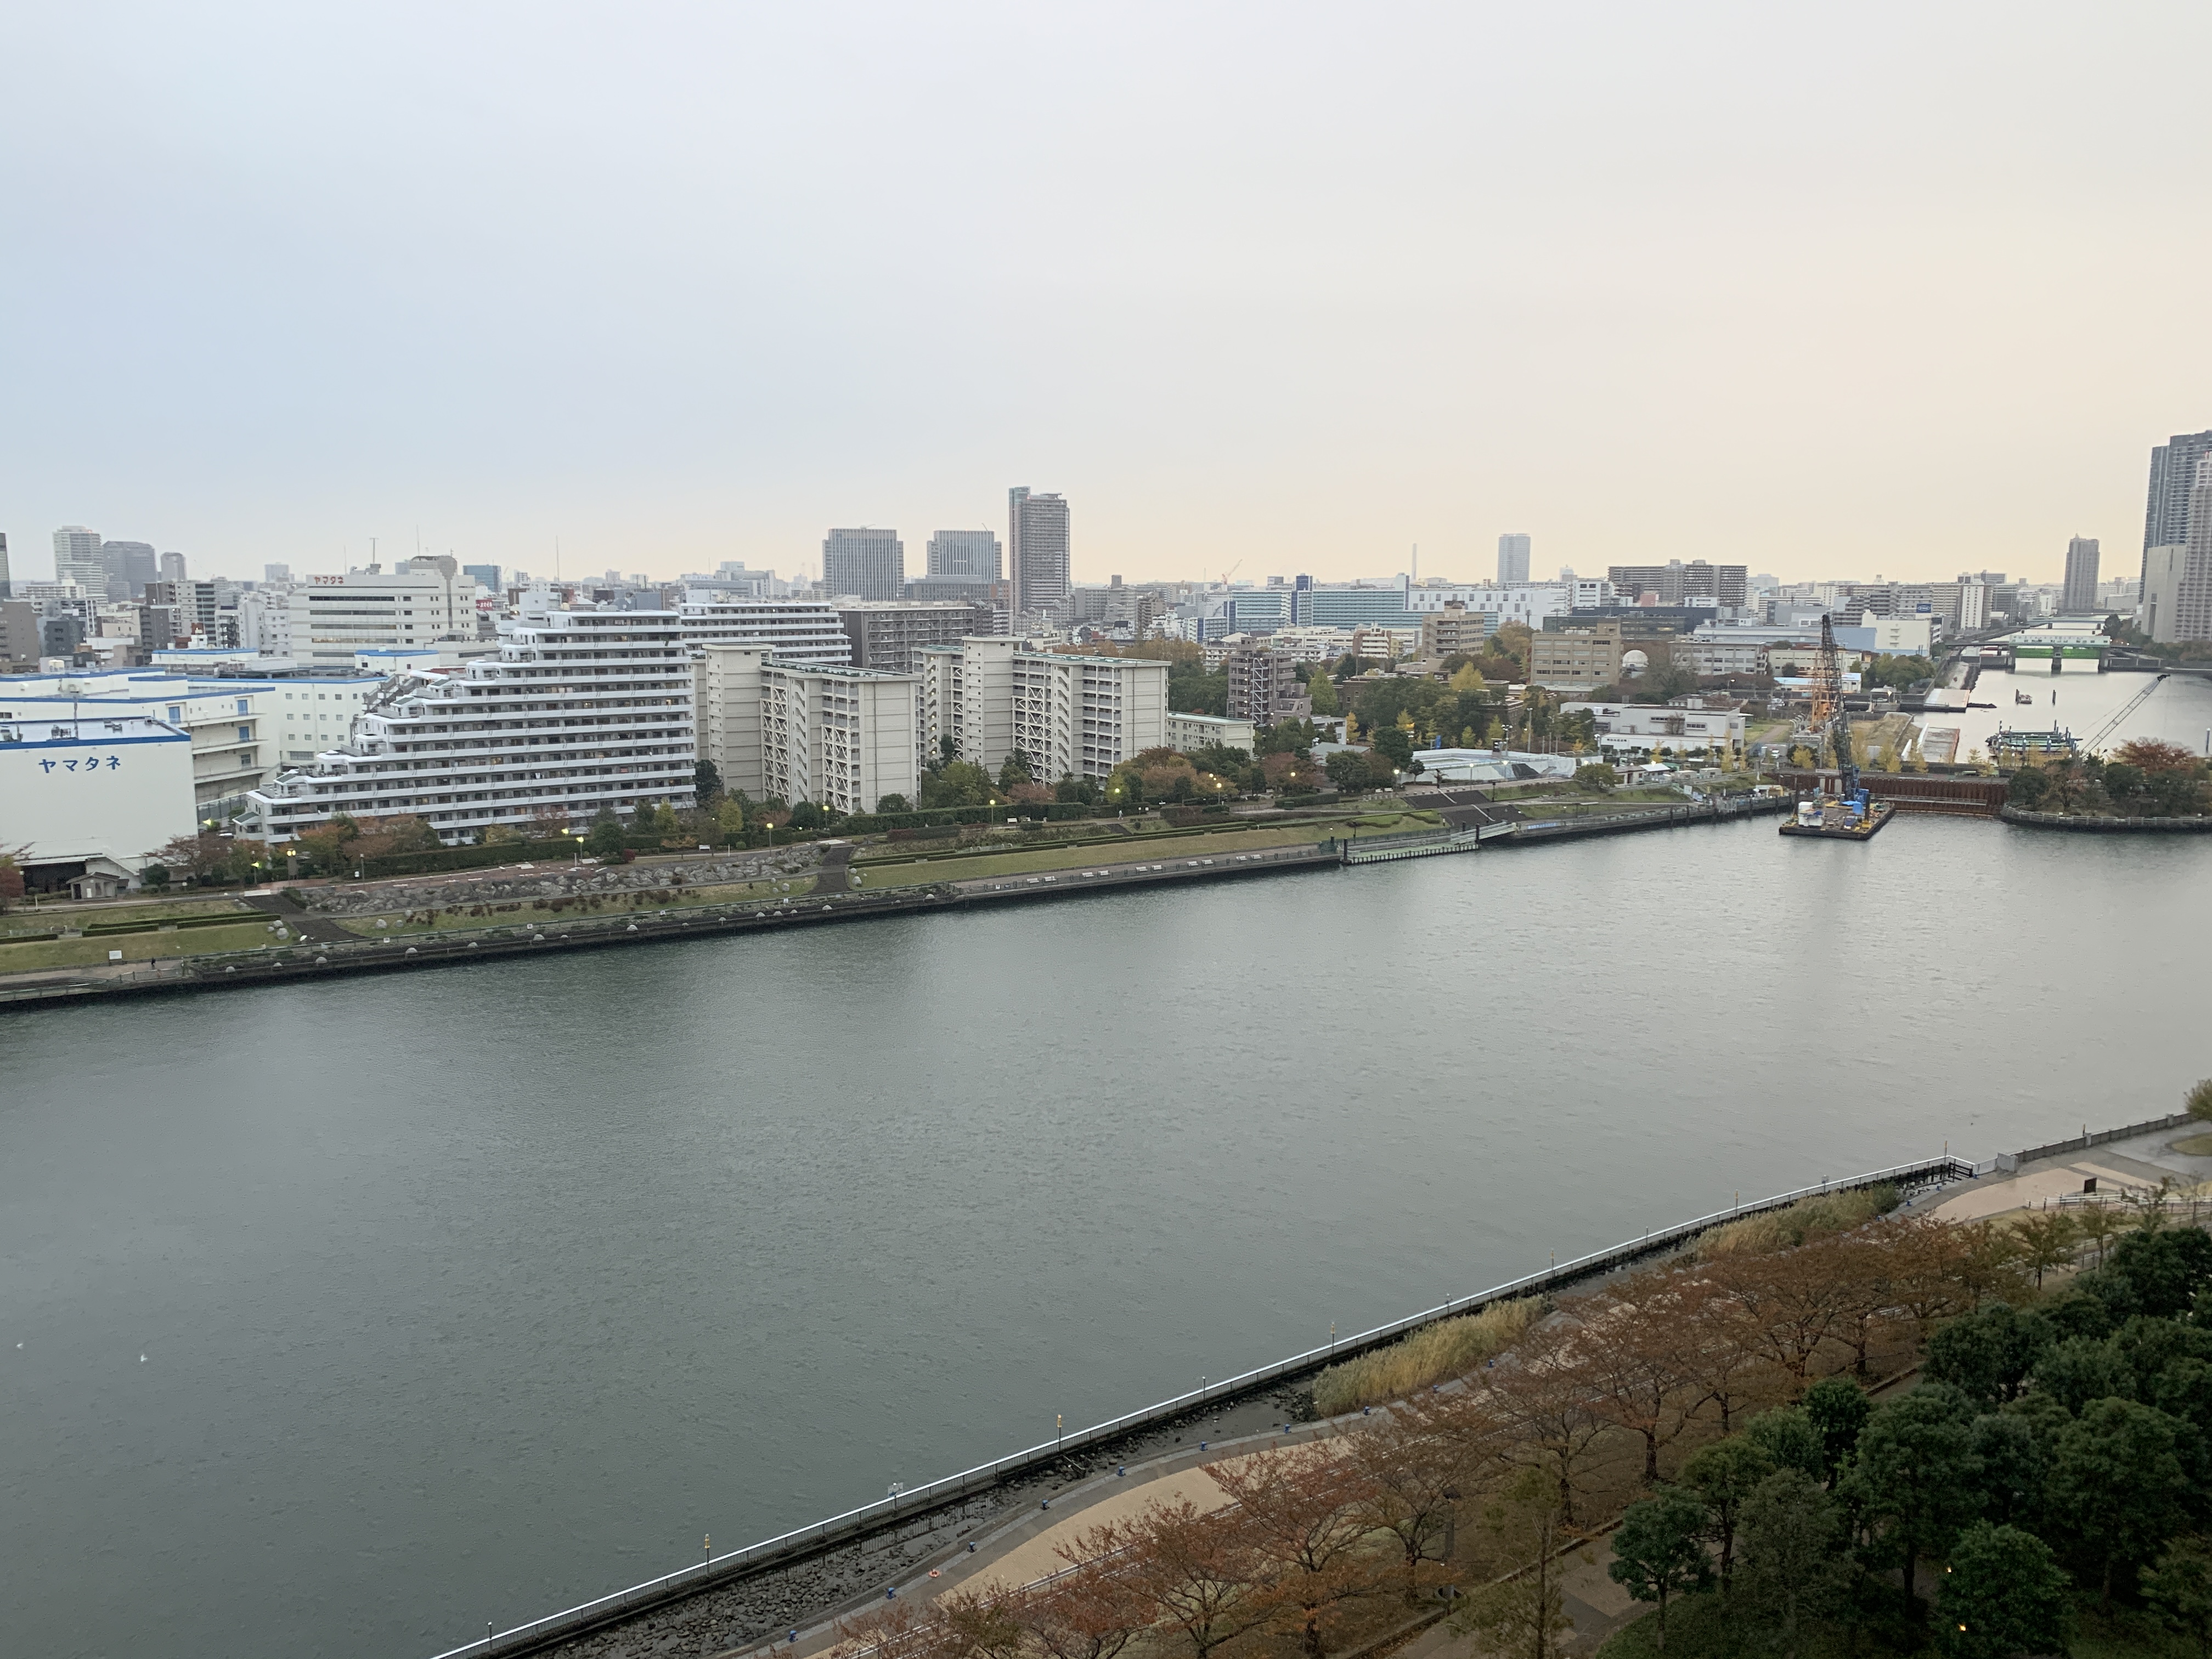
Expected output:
(1886, 288)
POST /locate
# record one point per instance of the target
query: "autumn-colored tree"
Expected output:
(1544, 1393)
(1791, 1300)
(1196, 1572)
(1413, 1467)
(2048, 1239)
(1644, 1384)
(1090, 1614)
(1302, 1514)
(1523, 1612)
(1721, 1344)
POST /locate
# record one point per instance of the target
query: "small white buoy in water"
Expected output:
(141, 1358)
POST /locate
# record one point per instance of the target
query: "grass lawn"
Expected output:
(614, 906)
(136, 947)
(1030, 862)
(28, 920)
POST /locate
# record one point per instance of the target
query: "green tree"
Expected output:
(664, 820)
(155, 876)
(2081, 1370)
(1723, 1475)
(1395, 746)
(1659, 1550)
(729, 819)
(2116, 1487)
(893, 802)
(1793, 1569)
(2197, 1101)
(1347, 769)
(1838, 1408)
(605, 840)
(2002, 1595)
(2048, 1239)
(1524, 1614)
(1915, 1477)
(1322, 691)
(955, 783)
(1787, 1436)
(1596, 777)
(2179, 1587)
(1988, 1354)
(1014, 769)
(2012, 1466)
(707, 782)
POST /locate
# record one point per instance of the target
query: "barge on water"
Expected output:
(1855, 816)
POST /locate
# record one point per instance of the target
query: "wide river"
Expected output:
(340, 1319)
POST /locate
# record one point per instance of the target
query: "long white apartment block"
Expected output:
(794, 631)
(839, 737)
(1070, 715)
(416, 602)
(579, 710)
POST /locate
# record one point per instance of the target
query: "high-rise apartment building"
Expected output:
(1037, 557)
(1513, 560)
(863, 564)
(794, 631)
(1264, 686)
(7, 585)
(973, 555)
(580, 709)
(890, 636)
(1071, 715)
(2177, 591)
(2173, 480)
(2078, 597)
(839, 737)
(76, 559)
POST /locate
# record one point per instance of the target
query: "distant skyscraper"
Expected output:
(864, 563)
(973, 554)
(76, 558)
(1513, 560)
(273, 574)
(1038, 562)
(129, 566)
(2078, 596)
(7, 589)
(486, 576)
(172, 567)
(2173, 474)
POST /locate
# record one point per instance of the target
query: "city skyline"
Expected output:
(1663, 287)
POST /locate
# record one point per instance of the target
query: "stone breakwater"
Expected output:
(557, 881)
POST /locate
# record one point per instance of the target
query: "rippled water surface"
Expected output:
(340, 1319)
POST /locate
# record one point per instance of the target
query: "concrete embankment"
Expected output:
(803, 1579)
(323, 958)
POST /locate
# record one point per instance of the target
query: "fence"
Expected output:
(2085, 1141)
(906, 1506)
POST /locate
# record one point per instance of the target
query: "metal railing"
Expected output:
(869, 1517)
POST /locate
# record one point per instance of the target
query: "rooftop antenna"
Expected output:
(556, 558)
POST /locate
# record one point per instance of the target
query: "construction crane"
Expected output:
(1231, 571)
(1829, 717)
(2126, 709)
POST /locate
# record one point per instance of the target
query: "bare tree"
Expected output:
(1302, 1512)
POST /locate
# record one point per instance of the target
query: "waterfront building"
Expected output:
(1576, 659)
(889, 635)
(1513, 560)
(795, 631)
(863, 564)
(2167, 506)
(843, 738)
(2185, 580)
(578, 710)
(1039, 560)
(85, 798)
(416, 602)
(1455, 629)
(1187, 732)
(1071, 714)
(969, 555)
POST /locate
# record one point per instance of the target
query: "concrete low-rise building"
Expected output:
(1576, 659)
(1187, 732)
(1638, 729)
(1455, 629)
(87, 797)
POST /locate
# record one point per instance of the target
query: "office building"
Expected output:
(1676, 583)
(76, 558)
(416, 602)
(889, 635)
(2078, 596)
(20, 643)
(1638, 729)
(1264, 686)
(1576, 659)
(1455, 628)
(864, 564)
(1037, 557)
(1070, 714)
(1513, 560)
(276, 574)
(7, 583)
(794, 631)
(971, 555)
(1528, 604)
(85, 798)
(173, 568)
(578, 710)
(129, 567)
(485, 576)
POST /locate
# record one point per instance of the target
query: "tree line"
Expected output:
(1719, 1416)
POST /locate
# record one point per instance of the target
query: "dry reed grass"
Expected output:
(1808, 1218)
(1450, 1347)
